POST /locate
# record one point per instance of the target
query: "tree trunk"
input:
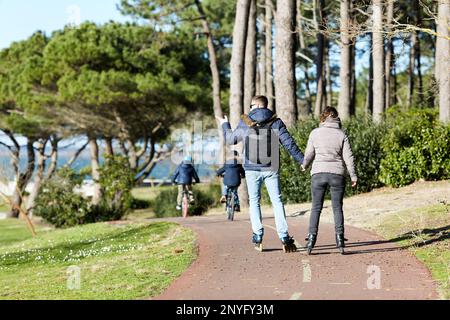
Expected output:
(443, 59)
(354, 84)
(258, 77)
(319, 21)
(132, 155)
(237, 73)
(417, 50)
(126, 137)
(75, 156)
(379, 95)
(418, 59)
(328, 81)
(262, 58)
(369, 101)
(304, 63)
(215, 74)
(16, 201)
(53, 158)
(435, 97)
(237, 61)
(394, 79)
(109, 150)
(39, 177)
(22, 179)
(269, 55)
(217, 106)
(95, 166)
(250, 59)
(285, 82)
(308, 94)
(149, 164)
(389, 54)
(411, 68)
(354, 80)
(436, 46)
(345, 70)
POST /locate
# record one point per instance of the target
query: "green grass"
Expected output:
(3, 206)
(148, 193)
(426, 232)
(15, 230)
(116, 261)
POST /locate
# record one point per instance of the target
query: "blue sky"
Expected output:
(21, 18)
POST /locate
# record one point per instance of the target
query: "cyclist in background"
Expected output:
(184, 175)
(232, 173)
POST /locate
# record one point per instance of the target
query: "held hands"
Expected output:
(222, 120)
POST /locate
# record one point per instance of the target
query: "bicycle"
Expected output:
(230, 205)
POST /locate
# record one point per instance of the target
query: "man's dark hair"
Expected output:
(261, 100)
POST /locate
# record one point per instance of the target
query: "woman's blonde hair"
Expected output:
(329, 112)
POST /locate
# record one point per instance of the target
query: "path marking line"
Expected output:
(264, 225)
(296, 296)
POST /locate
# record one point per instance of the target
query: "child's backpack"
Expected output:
(258, 143)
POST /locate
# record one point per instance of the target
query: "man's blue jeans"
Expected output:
(271, 179)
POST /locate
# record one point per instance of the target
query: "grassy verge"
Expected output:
(426, 232)
(148, 193)
(145, 196)
(15, 230)
(3, 206)
(115, 261)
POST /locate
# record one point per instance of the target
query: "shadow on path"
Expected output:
(434, 235)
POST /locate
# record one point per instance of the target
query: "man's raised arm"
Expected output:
(232, 137)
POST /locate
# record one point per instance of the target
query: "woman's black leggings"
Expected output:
(319, 186)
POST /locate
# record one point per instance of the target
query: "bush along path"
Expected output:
(229, 268)
(404, 148)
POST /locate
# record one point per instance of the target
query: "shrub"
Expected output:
(139, 204)
(58, 204)
(164, 204)
(116, 181)
(416, 147)
(365, 138)
(295, 184)
(406, 147)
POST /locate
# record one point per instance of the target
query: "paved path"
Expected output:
(228, 268)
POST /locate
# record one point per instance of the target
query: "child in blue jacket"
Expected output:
(232, 173)
(183, 177)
